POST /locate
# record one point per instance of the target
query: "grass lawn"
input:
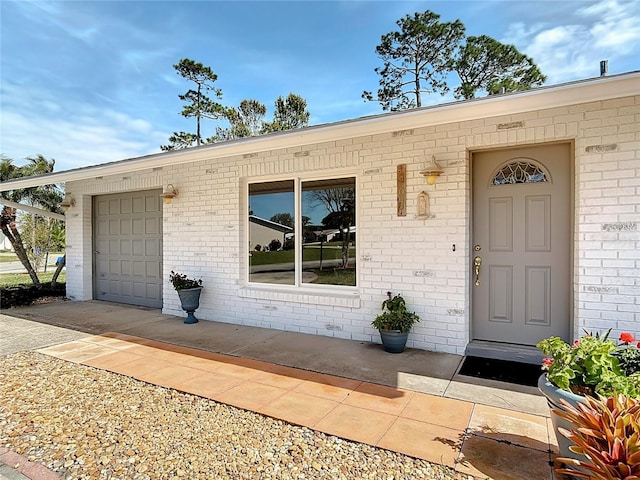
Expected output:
(308, 254)
(12, 257)
(8, 257)
(336, 277)
(13, 279)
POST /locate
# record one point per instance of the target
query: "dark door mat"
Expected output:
(502, 370)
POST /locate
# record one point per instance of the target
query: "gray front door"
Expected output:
(521, 255)
(128, 248)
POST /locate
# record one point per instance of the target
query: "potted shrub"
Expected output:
(189, 292)
(606, 437)
(394, 323)
(592, 365)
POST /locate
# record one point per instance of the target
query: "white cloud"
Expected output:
(571, 50)
(617, 27)
(80, 141)
(75, 134)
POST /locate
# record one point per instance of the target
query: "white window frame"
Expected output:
(298, 286)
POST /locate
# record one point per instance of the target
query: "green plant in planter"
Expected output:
(593, 364)
(189, 292)
(395, 316)
(606, 434)
(182, 282)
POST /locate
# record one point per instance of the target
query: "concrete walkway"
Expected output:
(413, 403)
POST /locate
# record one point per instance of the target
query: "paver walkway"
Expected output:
(478, 440)
(17, 467)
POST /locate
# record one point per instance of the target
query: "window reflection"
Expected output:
(271, 232)
(326, 227)
(329, 232)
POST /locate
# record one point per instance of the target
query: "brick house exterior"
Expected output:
(429, 260)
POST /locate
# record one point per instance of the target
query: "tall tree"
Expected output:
(47, 197)
(179, 140)
(483, 63)
(198, 103)
(416, 60)
(284, 218)
(340, 202)
(290, 113)
(37, 235)
(244, 121)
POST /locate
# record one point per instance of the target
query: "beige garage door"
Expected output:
(128, 248)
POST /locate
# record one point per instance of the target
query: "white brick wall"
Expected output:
(204, 228)
(608, 218)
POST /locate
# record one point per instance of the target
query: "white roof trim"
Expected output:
(30, 209)
(601, 88)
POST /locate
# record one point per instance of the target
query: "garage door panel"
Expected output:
(152, 247)
(114, 206)
(139, 290)
(128, 240)
(151, 225)
(102, 283)
(102, 207)
(153, 291)
(126, 205)
(138, 268)
(152, 270)
(114, 227)
(138, 205)
(137, 247)
(125, 247)
(114, 287)
(102, 227)
(125, 226)
(137, 226)
(113, 247)
(125, 267)
(151, 203)
(102, 245)
(114, 268)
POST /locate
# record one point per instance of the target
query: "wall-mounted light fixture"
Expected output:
(169, 193)
(431, 171)
(68, 202)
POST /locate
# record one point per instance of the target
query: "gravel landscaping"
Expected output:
(86, 423)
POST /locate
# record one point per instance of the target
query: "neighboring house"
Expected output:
(530, 230)
(330, 234)
(5, 244)
(262, 232)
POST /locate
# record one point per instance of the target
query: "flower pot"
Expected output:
(393, 341)
(190, 301)
(553, 395)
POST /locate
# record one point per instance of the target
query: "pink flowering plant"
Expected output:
(594, 364)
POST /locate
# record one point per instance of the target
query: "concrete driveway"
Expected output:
(17, 334)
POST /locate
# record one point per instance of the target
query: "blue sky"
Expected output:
(90, 82)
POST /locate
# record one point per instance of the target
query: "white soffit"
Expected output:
(592, 90)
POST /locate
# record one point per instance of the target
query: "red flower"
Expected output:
(638, 345)
(626, 337)
(576, 344)
(547, 362)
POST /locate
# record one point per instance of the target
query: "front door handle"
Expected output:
(477, 261)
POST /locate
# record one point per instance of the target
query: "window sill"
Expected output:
(314, 297)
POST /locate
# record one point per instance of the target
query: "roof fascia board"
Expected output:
(30, 209)
(592, 90)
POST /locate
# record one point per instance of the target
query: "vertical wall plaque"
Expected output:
(423, 205)
(402, 190)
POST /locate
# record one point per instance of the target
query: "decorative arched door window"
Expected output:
(520, 170)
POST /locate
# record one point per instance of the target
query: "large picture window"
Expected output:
(303, 232)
